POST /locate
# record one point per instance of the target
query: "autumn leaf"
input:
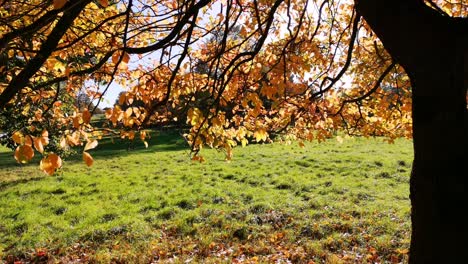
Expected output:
(73, 139)
(115, 58)
(24, 153)
(45, 137)
(143, 135)
(198, 158)
(38, 144)
(28, 141)
(63, 143)
(104, 3)
(244, 142)
(58, 4)
(90, 145)
(50, 163)
(125, 57)
(86, 116)
(18, 137)
(88, 159)
(260, 135)
(194, 116)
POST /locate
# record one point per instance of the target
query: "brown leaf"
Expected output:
(86, 116)
(88, 159)
(59, 3)
(126, 57)
(104, 3)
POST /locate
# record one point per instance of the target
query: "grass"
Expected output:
(327, 202)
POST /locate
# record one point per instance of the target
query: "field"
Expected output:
(324, 203)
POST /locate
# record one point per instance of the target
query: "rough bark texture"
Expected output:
(433, 50)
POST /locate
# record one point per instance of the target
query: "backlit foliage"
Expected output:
(235, 71)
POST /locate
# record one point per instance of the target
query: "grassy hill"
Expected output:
(328, 203)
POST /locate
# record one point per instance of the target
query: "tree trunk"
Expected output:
(433, 51)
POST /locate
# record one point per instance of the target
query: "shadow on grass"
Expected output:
(6, 184)
(112, 147)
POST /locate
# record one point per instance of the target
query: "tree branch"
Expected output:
(22, 79)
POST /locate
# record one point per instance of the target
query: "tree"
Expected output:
(319, 66)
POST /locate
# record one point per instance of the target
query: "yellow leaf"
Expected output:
(59, 3)
(88, 159)
(17, 137)
(194, 116)
(24, 153)
(301, 144)
(50, 163)
(244, 142)
(128, 112)
(90, 145)
(260, 135)
(146, 144)
(143, 135)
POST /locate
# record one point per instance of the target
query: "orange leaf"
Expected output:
(50, 163)
(24, 153)
(17, 137)
(131, 135)
(74, 139)
(45, 138)
(115, 57)
(28, 141)
(76, 121)
(126, 57)
(38, 144)
(104, 3)
(59, 3)
(88, 159)
(90, 145)
(86, 116)
(128, 112)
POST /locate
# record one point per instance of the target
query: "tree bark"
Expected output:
(433, 49)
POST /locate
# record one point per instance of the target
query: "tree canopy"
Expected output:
(305, 68)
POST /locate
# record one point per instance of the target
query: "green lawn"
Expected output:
(327, 202)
